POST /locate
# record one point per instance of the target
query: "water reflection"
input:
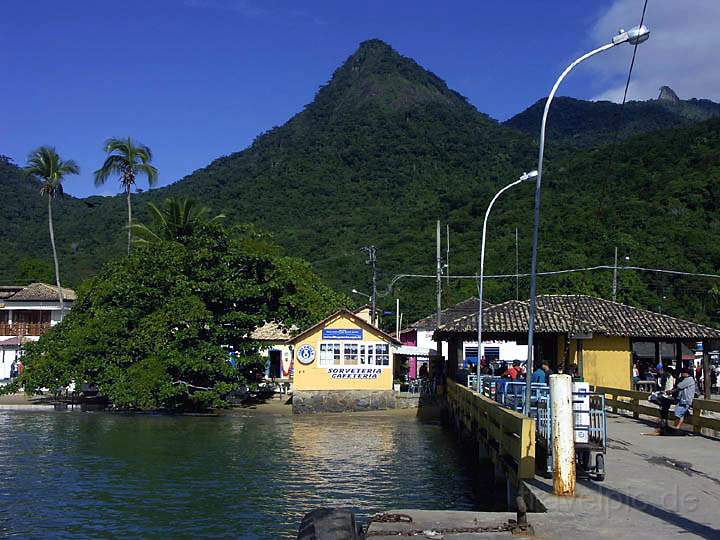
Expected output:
(69, 475)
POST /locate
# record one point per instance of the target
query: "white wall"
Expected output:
(7, 357)
(509, 350)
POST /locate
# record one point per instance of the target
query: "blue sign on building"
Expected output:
(342, 333)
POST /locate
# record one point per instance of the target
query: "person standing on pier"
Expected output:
(685, 391)
(513, 372)
(540, 375)
(664, 385)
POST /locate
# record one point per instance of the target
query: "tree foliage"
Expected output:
(156, 329)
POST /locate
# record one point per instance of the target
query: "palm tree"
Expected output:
(127, 159)
(45, 164)
(176, 220)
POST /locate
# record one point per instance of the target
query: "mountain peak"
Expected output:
(376, 73)
(376, 47)
(668, 94)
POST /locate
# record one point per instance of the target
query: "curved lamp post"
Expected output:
(634, 36)
(524, 178)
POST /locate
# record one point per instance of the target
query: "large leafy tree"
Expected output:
(176, 219)
(127, 159)
(46, 165)
(156, 329)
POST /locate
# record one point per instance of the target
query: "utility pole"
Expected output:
(614, 294)
(447, 256)
(397, 319)
(372, 260)
(439, 275)
(517, 267)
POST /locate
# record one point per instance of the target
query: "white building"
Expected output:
(273, 337)
(25, 314)
(420, 334)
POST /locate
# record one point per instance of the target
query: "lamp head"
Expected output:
(528, 176)
(355, 291)
(635, 36)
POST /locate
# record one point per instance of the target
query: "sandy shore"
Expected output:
(23, 399)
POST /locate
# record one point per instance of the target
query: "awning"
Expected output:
(410, 350)
(12, 342)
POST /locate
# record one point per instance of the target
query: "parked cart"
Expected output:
(589, 414)
(590, 431)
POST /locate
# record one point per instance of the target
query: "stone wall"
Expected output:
(314, 401)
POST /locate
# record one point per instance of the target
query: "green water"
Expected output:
(245, 475)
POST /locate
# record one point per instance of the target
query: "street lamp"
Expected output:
(355, 291)
(372, 314)
(634, 36)
(524, 178)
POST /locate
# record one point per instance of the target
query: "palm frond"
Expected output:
(150, 171)
(126, 158)
(142, 234)
(177, 219)
(114, 164)
(45, 163)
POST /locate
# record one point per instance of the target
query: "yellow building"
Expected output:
(342, 363)
(595, 335)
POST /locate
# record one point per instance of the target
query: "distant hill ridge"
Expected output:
(590, 123)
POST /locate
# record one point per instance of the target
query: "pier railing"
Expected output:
(619, 399)
(506, 435)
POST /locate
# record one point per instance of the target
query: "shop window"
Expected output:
(350, 354)
(329, 354)
(370, 355)
(382, 354)
(353, 354)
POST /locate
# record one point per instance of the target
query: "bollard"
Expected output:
(563, 435)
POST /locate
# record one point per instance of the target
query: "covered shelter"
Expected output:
(596, 335)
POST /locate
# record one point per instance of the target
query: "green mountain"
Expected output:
(579, 123)
(384, 150)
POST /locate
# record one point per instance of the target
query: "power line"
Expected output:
(398, 277)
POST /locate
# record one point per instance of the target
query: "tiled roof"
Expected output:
(447, 315)
(343, 313)
(615, 319)
(561, 314)
(273, 331)
(512, 317)
(41, 292)
(6, 291)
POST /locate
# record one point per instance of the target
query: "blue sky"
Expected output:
(197, 79)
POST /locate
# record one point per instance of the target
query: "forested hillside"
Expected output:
(385, 149)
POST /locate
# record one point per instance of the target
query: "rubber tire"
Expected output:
(328, 524)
